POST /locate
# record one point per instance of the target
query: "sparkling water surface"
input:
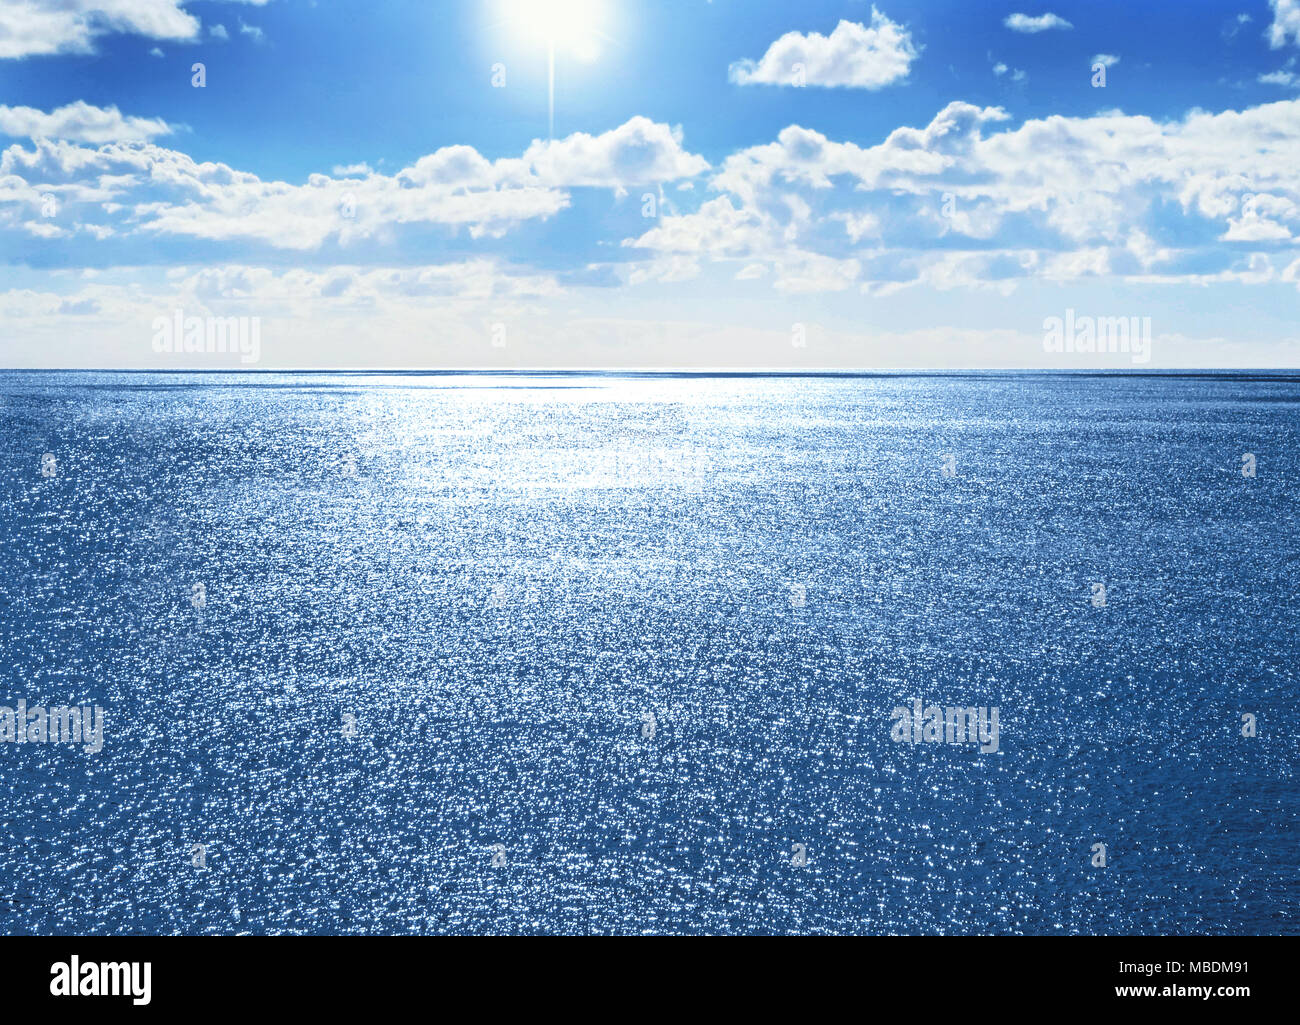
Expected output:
(612, 646)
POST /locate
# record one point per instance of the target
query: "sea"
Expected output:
(567, 653)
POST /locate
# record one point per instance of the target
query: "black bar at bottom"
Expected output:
(338, 975)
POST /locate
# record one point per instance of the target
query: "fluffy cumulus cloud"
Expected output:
(79, 122)
(968, 201)
(128, 188)
(1286, 23)
(974, 199)
(717, 227)
(1280, 77)
(34, 28)
(1036, 23)
(853, 56)
(637, 153)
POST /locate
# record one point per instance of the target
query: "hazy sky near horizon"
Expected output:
(735, 183)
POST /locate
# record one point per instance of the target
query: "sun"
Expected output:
(569, 25)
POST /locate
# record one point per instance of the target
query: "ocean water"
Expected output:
(619, 654)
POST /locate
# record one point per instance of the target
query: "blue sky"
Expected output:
(735, 183)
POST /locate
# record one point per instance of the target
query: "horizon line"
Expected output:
(663, 371)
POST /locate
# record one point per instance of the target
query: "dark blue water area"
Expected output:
(619, 653)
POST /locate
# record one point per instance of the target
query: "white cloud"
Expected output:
(79, 122)
(1280, 78)
(971, 200)
(1106, 60)
(798, 272)
(347, 316)
(218, 32)
(130, 187)
(1057, 198)
(340, 315)
(1286, 23)
(303, 217)
(667, 269)
(639, 152)
(40, 27)
(860, 225)
(32, 28)
(1039, 23)
(852, 56)
(801, 156)
(717, 227)
(292, 290)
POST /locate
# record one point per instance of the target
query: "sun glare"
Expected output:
(570, 25)
(566, 28)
